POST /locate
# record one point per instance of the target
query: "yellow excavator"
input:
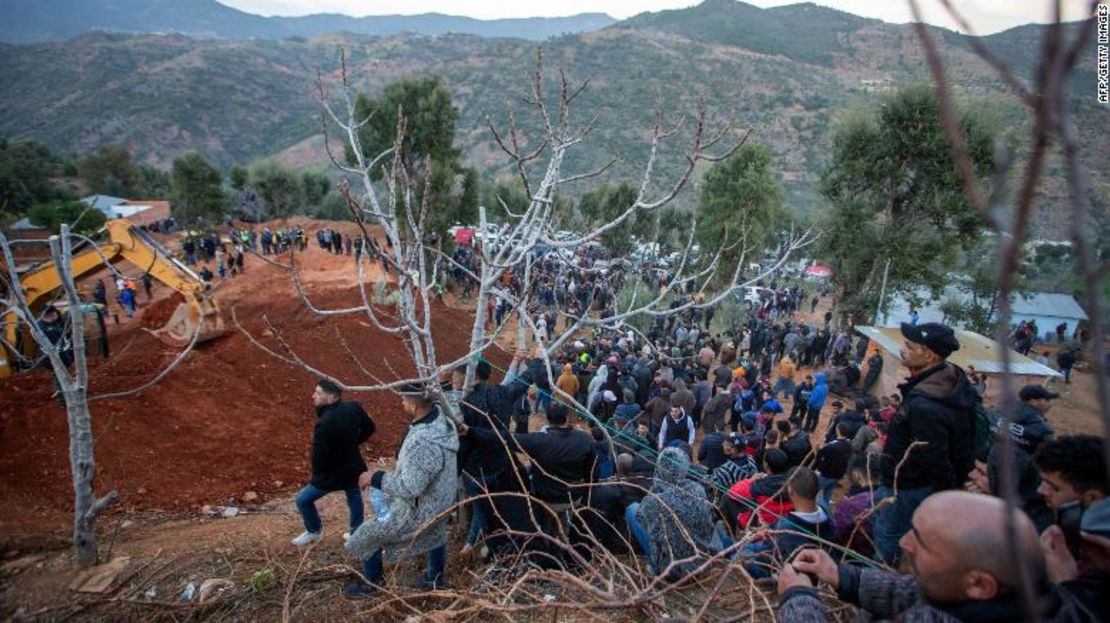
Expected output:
(125, 242)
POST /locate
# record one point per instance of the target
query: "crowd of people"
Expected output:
(333, 241)
(679, 446)
(225, 255)
(761, 445)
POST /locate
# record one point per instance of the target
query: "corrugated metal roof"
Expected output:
(1046, 304)
(975, 350)
(104, 203)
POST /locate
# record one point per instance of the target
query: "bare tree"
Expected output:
(411, 254)
(73, 386)
(1050, 127)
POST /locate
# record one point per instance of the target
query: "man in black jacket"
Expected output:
(610, 498)
(929, 439)
(56, 329)
(1066, 361)
(560, 455)
(801, 398)
(336, 461)
(711, 451)
(481, 465)
(795, 441)
(493, 400)
(831, 461)
(1029, 430)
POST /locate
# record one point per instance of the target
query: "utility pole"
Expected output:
(882, 292)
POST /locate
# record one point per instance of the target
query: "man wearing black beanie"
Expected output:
(929, 440)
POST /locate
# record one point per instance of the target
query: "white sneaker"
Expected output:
(346, 536)
(307, 538)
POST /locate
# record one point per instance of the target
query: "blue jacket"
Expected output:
(820, 392)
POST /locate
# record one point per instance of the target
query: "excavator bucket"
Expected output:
(179, 330)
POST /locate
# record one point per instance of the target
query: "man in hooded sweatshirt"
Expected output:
(763, 496)
(815, 402)
(674, 522)
(567, 383)
(785, 382)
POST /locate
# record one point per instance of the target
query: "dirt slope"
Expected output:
(228, 420)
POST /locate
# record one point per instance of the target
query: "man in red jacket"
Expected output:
(765, 491)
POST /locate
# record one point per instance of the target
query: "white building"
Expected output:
(1046, 309)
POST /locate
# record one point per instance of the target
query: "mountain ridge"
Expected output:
(236, 100)
(31, 21)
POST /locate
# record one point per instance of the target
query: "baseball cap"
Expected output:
(737, 440)
(1035, 392)
(939, 338)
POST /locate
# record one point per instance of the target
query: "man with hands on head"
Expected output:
(960, 571)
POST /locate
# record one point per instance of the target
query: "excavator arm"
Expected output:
(139, 248)
(126, 242)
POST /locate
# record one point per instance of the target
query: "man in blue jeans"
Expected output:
(336, 461)
(929, 439)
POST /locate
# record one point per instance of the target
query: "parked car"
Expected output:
(754, 296)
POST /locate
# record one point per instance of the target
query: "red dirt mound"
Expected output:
(227, 420)
(159, 313)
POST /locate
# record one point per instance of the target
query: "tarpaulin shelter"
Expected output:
(976, 350)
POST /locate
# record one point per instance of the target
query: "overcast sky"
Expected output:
(985, 16)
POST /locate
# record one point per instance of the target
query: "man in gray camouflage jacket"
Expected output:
(421, 486)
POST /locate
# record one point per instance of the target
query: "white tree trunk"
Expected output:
(73, 388)
(86, 506)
